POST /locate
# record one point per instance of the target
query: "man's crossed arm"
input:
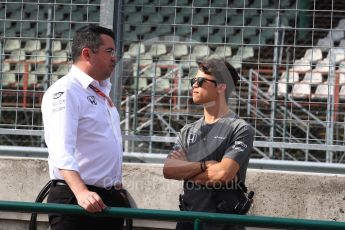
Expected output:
(178, 167)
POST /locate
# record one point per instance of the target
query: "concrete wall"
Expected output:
(277, 193)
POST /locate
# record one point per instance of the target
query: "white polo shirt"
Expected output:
(82, 131)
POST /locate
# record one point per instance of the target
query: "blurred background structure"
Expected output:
(290, 55)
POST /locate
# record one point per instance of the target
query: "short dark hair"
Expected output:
(88, 36)
(222, 71)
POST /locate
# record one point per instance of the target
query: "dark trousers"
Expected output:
(207, 226)
(62, 194)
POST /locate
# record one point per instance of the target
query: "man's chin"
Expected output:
(195, 101)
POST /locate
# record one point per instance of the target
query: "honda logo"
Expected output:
(92, 100)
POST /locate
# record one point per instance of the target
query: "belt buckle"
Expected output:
(117, 186)
(60, 183)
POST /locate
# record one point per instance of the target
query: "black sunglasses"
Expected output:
(200, 81)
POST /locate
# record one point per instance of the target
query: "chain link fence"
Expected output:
(290, 55)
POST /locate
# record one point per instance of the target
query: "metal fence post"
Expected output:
(197, 224)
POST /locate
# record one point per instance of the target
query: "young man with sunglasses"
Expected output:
(211, 155)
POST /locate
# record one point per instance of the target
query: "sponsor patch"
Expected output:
(92, 100)
(239, 145)
(58, 109)
(57, 95)
(218, 137)
(58, 102)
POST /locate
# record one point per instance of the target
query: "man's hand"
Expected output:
(90, 201)
(218, 172)
(210, 163)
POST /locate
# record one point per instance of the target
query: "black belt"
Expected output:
(59, 182)
(64, 183)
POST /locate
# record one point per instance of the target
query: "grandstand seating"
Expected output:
(338, 53)
(223, 51)
(16, 56)
(20, 68)
(341, 24)
(281, 90)
(166, 60)
(38, 56)
(342, 43)
(301, 90)
(31, 81)
(312, 77)
(62, 69)
(60, 57)
(25, 31)
(139, 83)
(157, 49)
(313, 55)
(322, 66)
(136, 49)
(336, 35)
(201, 51)
(12, 44)
(179, 50)
(5, 67)
(245, 52)
(8, 80)
(162, 85)
(341, 79)
(53, 78)
(32, 45)
(289, 77)
(56, 45)
(325, 44)
(40, 69)
(145, 59)
(235, 61)
(236, 23)
(342, 67)
(322, 91)
(301, 65)
(342, 92)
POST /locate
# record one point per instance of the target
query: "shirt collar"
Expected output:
(85, 79)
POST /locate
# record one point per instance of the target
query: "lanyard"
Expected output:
(100, 93)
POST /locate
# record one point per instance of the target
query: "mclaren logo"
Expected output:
(92, 100)
(57, 95)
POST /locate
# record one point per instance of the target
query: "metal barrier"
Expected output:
(197, 217)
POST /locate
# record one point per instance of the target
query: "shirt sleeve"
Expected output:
(241, 144)
(180, 143)
(60, 117)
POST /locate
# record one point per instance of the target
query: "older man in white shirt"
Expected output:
(82, 132)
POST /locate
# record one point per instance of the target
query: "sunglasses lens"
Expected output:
(192, 81)
(199, 81)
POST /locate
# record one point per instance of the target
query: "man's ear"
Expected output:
(85, 53)
(221, 87)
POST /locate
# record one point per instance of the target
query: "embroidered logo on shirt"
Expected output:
(58, 102)
(92, 100)
(192, 138)
(239, 145)
(218, 137)
(57, 95)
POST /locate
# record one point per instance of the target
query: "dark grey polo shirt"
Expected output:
(230, 137)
